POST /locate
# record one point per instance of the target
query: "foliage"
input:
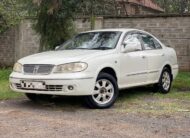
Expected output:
(9, 14)
(55, 21)
(5, 92)
(12, 12)
(97, 7)
(182, 82)
(175, 6)
(55, 17)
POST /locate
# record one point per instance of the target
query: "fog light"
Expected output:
(70, 87)
(12, 85)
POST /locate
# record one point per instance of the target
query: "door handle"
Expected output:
(163, 55)
(143, 56)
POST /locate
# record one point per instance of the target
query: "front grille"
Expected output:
(48, 88)
(37, 69)
(54, 87)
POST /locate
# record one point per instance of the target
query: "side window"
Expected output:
(150, 43)
(133, 39)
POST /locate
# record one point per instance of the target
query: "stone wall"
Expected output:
(174, 31)
(7, 47)
(18, 42)
(83, 24)
(27, 41)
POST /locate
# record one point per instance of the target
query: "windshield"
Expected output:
(92, 40)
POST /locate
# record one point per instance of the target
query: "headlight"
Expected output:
(17, 67)
(71, 67)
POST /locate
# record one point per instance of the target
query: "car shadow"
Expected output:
(69, 103)
(73, 103)
(132, 93)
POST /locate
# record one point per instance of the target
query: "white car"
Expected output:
(97, 64)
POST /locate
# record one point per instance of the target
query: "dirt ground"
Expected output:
(67, 118)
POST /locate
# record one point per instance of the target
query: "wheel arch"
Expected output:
(168, 66)
(110, 71)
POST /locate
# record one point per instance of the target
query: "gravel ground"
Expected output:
(22, 118)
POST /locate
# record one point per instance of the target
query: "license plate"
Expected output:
(33, 85)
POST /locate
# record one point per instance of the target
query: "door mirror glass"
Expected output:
(131, 48)
(168, 45)
(131, 44)
(57, 47)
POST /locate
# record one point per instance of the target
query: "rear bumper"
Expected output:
(175, 70)
(55, 86)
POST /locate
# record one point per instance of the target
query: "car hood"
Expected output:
(62, 57)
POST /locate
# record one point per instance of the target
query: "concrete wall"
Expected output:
(7, 47)
(18, 42)
(27, 41)
(174, 31)
(83, 24)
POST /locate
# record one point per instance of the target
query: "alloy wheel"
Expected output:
(103, 91)
(166, 81)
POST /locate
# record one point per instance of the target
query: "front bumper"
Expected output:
(55, 84)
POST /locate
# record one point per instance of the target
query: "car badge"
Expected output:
(36, 69)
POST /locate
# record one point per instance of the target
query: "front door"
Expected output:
(134, 65)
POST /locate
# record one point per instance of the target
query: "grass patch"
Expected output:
(182, 82)
(180, 95)
(5, 91)
(144, 99)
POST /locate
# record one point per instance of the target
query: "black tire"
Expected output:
(159, 87)
(38, 97)
(90, 100)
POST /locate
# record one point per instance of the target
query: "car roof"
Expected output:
(113, 29)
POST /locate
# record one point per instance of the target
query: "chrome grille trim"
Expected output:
(36, 69)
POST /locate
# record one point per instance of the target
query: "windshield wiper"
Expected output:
(97, 48)
(102, 48)
(83, 48)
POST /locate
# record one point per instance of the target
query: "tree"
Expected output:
(55, 17)
(9, 14)
(54, 21)
(95, 8)
(175, 6)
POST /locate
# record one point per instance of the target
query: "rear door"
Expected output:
(155, 54)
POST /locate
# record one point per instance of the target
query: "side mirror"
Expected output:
(57, 47)
(168, 45)
(131, 47)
